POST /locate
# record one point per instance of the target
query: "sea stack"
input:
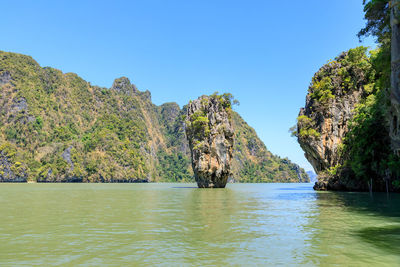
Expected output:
(210, 134)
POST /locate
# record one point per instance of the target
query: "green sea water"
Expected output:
(181, 225)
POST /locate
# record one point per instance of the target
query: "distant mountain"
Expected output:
(56, 127)
(313, 176)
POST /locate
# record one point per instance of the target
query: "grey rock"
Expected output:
(211, 143)
(19, 105)
(332, 124)
(50, 176)
(146, 95)
(5, 77)
(6, 172)
(124, 85)
(331, 121)
(66, 155)
(31, 119)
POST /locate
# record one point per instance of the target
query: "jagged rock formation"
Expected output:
(10, 172)
(210, 135)
(56, 127)
(331, 125)
(123, 85)
(5, 77)
(332, 97)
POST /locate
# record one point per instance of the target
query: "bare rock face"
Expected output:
(11, 172)
(331, 124)
(124, 85)
(210, 134)
(5, 77)
(323, 123)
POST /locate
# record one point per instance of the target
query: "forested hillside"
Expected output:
(56, 127)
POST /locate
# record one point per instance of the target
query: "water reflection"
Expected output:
(386, 238)
(358, 228)
(210, 218)
(166, 224)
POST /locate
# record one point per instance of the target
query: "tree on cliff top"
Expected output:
(377, 14)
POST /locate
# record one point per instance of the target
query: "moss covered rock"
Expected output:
(210, 134)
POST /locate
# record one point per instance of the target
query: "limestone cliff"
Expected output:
(210, 135)
(56, 127)
(323, 123)
(330, 122)
(11, 171)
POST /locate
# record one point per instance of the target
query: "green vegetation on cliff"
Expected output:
(56, 127)
(344, 126)
(253, 163)
(346, 73)
(367, 147)
(348, 114)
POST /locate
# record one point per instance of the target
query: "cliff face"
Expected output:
(336, 90)
(11, 171)
(210, 135)
(330, 122)
(56, 127)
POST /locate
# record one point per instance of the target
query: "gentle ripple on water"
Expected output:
(178, 224)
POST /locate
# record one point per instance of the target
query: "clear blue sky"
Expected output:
(263, 52)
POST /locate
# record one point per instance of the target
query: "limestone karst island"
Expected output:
(200, 133)
(211, 137)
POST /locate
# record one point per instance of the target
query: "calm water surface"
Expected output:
(177, 224)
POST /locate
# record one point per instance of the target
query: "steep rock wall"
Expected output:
(322, 125)
(210, 134)
(56, 127)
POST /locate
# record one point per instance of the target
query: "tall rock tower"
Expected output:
(210, 134)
